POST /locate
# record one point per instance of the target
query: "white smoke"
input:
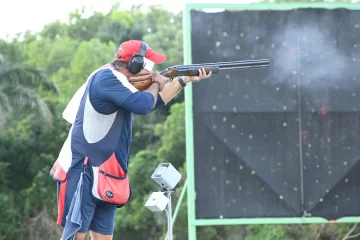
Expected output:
(311, 54)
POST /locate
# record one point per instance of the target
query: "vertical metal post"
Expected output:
(169, 216)
(189, 127)
(176, 212)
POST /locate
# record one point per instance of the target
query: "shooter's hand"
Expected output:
(159, 78)
(202, 75)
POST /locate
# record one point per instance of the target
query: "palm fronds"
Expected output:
(18, 90)
(13, 75)
(29, 100)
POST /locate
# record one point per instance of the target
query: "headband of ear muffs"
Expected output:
(137, 63)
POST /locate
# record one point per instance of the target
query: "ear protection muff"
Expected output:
(137, 63)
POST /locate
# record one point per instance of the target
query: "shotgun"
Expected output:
(142, 82)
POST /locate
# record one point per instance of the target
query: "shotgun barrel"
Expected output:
(241, 64)
(193, 69)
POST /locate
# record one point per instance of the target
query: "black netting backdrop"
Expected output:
(279, 141)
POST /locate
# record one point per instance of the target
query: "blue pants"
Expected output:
(97, 215)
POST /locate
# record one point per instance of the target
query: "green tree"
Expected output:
(82, 27)
(18, 88)
(49, 54)
(26, 156)
(54, 30)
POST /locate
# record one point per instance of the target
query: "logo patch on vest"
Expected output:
(109, 194)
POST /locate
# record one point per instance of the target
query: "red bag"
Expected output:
(111, 183)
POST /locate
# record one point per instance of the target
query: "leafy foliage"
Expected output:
(18, 87)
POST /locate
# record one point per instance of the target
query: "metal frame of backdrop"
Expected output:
(193, 222)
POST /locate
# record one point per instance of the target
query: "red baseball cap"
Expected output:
(128, 48)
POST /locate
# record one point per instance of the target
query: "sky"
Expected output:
(22, 15)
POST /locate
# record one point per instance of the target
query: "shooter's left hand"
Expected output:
(202, 75)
